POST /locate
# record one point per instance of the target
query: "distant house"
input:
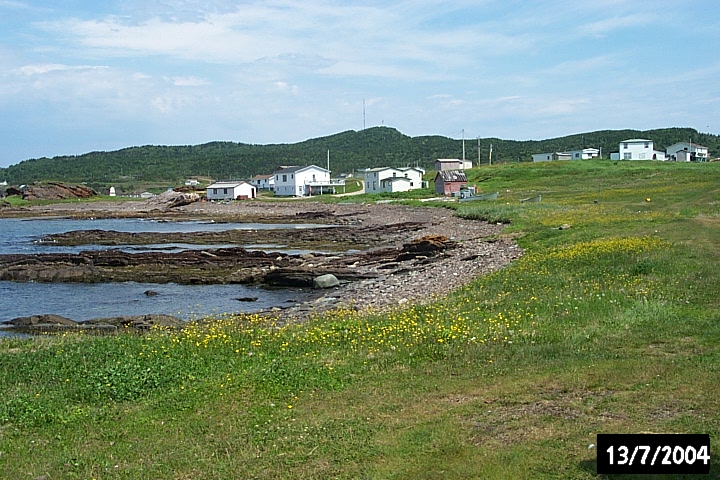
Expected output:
(191, 182)
(3, 183)
(231, 191)
(146, 195)
(263, 182)
(637, 149)
(301, 181)
(687, 152)
(390, 179)
(452, 164)
(448, 182)
(584, 154)
(549, 157)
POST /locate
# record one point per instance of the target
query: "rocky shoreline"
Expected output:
(383, 255)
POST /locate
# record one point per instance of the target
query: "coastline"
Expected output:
(385, 275)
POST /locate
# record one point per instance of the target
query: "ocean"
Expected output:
(80, 301)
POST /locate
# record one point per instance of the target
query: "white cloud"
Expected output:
(190, 82)
(41, 69)
(285, 88)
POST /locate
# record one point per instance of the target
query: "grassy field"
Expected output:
(610, 323)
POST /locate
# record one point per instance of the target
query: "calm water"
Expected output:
(86, 301)
(22, 235)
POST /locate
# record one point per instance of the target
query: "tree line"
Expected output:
(349, 151)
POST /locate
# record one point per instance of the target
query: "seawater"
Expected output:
(80, 301)
(23, 235)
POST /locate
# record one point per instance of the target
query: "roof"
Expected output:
(695, 145)
(399, 169)
(452, 176)
(262, 177)
(448, 160)
(226, 184)
(636, 140)
(298, 169)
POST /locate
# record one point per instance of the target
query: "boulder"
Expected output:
(47, 319)
(172, 199)
(325, 281)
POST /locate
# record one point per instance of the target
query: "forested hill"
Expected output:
(351, 150)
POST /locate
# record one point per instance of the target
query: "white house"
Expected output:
(687, 152)
(549, 157)
(263, 182)
(637, 149)
(192, 182)
(231, 191)
(584, 154)
(301, 181)
(389, 179)
(452, 164)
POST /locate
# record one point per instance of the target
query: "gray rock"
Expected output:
(326, 281)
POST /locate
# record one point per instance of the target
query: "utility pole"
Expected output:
(478, 139)
(490, 155)
(463, 139)
(363, 114)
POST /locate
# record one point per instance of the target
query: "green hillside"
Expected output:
(378, 146)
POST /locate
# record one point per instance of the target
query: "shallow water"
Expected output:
(21, 236)
(81, 301)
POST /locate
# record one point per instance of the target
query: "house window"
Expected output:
(284, 178)
(292, 176)
(411, 184)
(627, 156)
(214, 191)
(647, 144)
(224, 191)
(625, 146)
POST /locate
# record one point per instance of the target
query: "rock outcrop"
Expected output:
(54, 191)
(38, 324)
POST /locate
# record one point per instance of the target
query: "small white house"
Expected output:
(389, 179)
(192, 182)
(230, 191)
(687, 152)
(263, 182)
(637, 149)
(549, 157)
(301, 181)
(584, 154)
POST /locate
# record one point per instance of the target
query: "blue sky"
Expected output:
(78, 76)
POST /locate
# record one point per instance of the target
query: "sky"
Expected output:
(78, 76)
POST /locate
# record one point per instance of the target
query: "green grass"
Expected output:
(609, 326)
